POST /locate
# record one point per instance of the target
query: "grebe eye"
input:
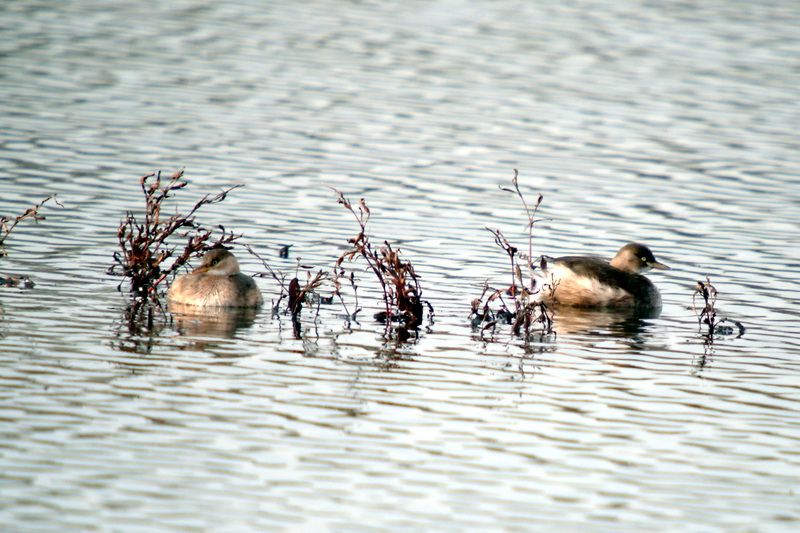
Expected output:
(215, 262)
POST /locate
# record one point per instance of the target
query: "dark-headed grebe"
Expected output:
(217, 283)
(585, 281)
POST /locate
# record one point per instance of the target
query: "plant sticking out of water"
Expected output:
(708, 314)
(7, 224)
(529, 316)
(277, 275)
(402, 293)
(149, 254)
(297, 295)
(339, 275)
(309, 294)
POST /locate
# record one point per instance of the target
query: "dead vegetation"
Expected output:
(516, 304)
(150, 252)
(7, 224)
(707, 315)
(148, 255)
(402, 292)
(297, 295)
(707, 318)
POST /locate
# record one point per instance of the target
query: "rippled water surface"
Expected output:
(673, 124)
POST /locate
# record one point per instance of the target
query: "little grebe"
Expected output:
(217, 282)
(585, 281)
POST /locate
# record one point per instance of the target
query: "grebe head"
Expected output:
(218, 261)
(636, 259)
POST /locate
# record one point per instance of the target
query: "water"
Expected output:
(673, 125)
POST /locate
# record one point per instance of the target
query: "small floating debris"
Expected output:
(23, 282)
(283, 253)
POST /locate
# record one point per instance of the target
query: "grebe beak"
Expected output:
(659, 266)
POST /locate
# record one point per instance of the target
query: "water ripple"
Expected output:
(632, 131)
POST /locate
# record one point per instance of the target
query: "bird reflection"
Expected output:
(222, 322)
(616, 323)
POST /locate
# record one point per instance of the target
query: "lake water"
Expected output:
(673, 124)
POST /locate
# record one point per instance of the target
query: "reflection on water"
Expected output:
(189, 320)
(629, 323)
(671, 124)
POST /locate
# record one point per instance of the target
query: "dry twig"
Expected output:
(7, 224)
(530, 315)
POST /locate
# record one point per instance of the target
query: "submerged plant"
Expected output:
(402, 292)
(529, 316)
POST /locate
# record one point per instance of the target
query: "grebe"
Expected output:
(585, 281)
(218, 282)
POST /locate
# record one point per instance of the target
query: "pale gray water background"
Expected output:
(673, 124)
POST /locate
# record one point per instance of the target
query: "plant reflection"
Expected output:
(140, 326)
